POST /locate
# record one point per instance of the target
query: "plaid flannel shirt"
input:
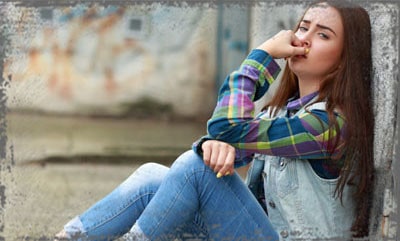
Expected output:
(303, 136)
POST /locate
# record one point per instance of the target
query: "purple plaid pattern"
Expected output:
(304, 136)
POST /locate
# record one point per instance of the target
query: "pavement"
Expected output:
(41, 199)
(59, 166)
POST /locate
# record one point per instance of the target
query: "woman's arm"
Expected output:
(306, 136)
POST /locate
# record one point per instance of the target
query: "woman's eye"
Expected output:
(324, 36)
(303, 29)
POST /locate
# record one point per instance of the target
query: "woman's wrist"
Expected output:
(266, 47)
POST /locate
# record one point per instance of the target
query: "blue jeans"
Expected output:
(186, 200)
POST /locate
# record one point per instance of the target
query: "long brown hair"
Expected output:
(348, 89)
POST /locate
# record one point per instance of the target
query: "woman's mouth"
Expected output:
(301, 56)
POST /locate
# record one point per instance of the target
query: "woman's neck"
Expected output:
(308, 86)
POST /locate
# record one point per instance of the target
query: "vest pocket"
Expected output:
(286, 177)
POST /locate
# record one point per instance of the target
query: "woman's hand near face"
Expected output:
(219, 156)
(284, 44)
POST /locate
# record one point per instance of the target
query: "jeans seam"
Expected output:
(243, 204)
(111, 217)
(201, 228)
(187, 177)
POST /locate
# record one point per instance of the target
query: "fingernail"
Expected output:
(227, 173)
(219, 175)
(307, 50)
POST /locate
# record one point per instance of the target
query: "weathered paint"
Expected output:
(88, 60)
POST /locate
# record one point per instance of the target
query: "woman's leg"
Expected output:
(227, 207)
(115, 214)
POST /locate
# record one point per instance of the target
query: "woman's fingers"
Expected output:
(214, 157)
(228, 166)
(219, 156)
(284, 44)
(224, 158)
(299, 51)
(206, 152)
(211, 151)
(295, 40)
(297, 46)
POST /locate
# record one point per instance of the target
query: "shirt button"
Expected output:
(282, 163)
(264, 174)
(284, 233)
(271, 204)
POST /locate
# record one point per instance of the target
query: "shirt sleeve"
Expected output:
(305, 136)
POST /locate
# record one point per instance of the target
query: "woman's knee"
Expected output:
(189, 159)
(150, 173)
(151, 169)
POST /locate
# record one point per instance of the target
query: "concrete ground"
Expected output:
(59, 166)
(41, 199)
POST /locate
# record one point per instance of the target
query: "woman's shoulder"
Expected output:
(316, 106)
(321, 106)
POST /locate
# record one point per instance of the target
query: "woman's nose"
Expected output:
(304, 39)
(306, 43)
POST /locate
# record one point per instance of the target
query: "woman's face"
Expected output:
(321, 30)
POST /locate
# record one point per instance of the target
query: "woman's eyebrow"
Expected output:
(320, 26)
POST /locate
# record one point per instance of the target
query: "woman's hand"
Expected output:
(284, 44)
(219, 156)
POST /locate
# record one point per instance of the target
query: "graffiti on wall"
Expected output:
(99, 56)
(83, 46)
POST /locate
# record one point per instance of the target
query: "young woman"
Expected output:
(311, 149)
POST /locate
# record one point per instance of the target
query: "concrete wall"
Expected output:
(385, 19)
(385, 27)
(102, 60)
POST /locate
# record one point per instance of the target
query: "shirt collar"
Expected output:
(297, 103)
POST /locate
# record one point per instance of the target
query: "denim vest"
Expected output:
(300, 204)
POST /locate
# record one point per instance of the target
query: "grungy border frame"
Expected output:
(7, 153)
